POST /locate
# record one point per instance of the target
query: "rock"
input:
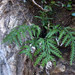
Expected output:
(11, 15)
(2, 27)
(59, 68)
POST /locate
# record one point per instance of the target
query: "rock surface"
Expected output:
(12, 14)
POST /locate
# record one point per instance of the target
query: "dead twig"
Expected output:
(39, 6)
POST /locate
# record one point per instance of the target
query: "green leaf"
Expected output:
(19, 38)
(70, 2)
(69, 28)
(23, 51)
(30, 56)
(37, 51)
(55, 48)
(39, 58)
(7, 38)
(30, 33)
(57, 26)
(16, 41)
(69, 8)
(72, 53)
(38, 33)
(65, 38)
(48, 8)
(73, 33)
(51, 33)
(38, 17)
(52, 2)
(34, 32)
(23, 33)
(26, 46)
(68, 42)
(43, 62)
(61, 34)
(51, 41)
(55, 53)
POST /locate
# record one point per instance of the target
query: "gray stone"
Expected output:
(11, 15)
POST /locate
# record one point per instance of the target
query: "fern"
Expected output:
(46, 47)
(27, 50)
(18, 32)
(68, 35)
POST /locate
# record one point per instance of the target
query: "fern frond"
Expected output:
(37, 51)
(57, 26)
(68, 42)
(52, 41)
(20, 31)
(49, 48)
(51, 32)
(69, 28)
(39, 58)
(15, 40)
(54, 48)
(26, 50)
(73, 33)
(38, 17)
(70, 37)
(44, 61)
(61, 35)
(30, 33)
(19, 38)
(65, 38)
(72, 53)
(56, 53)
(35, 29)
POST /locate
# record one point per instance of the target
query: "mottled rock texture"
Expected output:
(12, 14)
